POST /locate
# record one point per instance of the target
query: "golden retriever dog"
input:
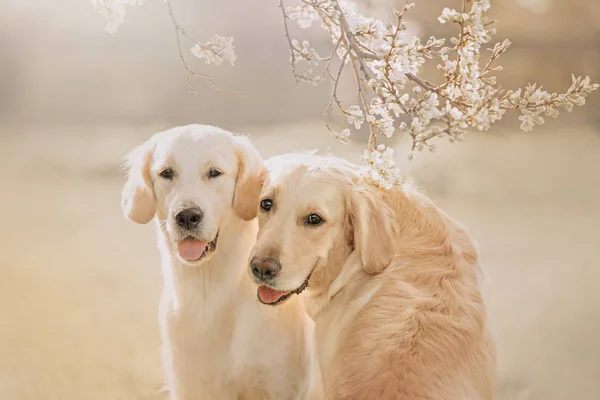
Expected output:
(201, 185)
(391, 281)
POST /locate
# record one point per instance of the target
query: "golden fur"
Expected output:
(395, 285)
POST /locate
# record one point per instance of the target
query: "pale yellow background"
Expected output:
(79, 285)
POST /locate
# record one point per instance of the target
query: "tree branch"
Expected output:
(361, 55)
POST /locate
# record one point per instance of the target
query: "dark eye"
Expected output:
(266, 204)
(314, 219)
(213, 173)
(166, 173)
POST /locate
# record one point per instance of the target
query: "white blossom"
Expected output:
(217, 50)
(386, 125)
(387, 65)
(455, 113)
(114, 11)
(304, 13)
(355, 116)
(305, 52)
(343, 136)
(382, 169)
(449, 15)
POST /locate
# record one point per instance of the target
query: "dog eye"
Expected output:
(213, 173)
(266, 204)
(166, 173)
(314, 219)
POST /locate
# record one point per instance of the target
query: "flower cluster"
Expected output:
(382, 169)
(216, 51)
(394, 98)
(534, 102)
(114, 11)
(387, 65)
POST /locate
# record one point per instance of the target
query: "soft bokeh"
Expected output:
(79, 285)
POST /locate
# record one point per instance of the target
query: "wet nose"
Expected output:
(189, 218)
(264, 269)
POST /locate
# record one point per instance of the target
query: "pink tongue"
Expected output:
(191, 250)
(268, 295)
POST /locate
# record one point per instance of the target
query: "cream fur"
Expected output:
(218, 341)
(395, 288)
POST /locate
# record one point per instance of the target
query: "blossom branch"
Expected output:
(188, 70)
(216, 51)
(385, 62)
(363, 55)
(392, 93)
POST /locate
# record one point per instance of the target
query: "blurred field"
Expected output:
(79, 285)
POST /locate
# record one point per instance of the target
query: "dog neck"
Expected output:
(218, 279)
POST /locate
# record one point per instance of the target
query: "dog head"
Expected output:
(314, 211)
(192, 179)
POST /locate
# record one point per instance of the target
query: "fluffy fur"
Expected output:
(394, 285)
(218, 341)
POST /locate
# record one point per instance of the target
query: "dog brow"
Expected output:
(272, 192)
(164, 162)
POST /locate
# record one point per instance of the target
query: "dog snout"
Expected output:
(264, 269)
(189, 218)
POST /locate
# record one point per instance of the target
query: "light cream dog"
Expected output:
(392, 283)
(201, 185)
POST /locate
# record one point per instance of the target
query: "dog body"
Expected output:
(218, 343)
(201, 186)
(393, 283)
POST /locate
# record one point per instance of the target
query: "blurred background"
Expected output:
(79, 285)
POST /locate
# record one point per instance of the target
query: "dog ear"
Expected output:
(250, 178)
(373, 225)
(137, 199)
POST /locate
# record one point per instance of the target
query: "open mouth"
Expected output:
(268, 295)
(192, 249)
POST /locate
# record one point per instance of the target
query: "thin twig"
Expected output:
(188, 70)
(422, 82)
(330, 58)
(372, 144)
(334, 93)
(289, 39)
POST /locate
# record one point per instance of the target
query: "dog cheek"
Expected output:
(324, 243)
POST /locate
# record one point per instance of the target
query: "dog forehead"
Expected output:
(292, 167)
(192, 146)
(318, 193)
(305, 187)
(306, 169)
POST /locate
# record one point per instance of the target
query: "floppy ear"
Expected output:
(137, 199)
(374, 227)
(250, 178)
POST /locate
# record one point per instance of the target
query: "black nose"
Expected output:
(189, 218)
(264, 269)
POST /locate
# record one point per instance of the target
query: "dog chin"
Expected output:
(193, 263)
